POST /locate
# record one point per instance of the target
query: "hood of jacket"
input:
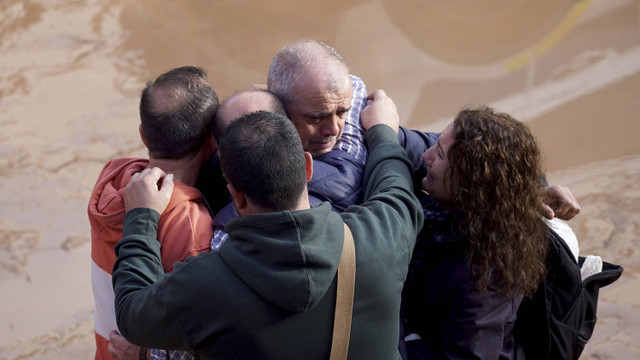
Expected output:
(290, 265)
(106, 204)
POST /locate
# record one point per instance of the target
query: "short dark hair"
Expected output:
(176, 111)
(261, 155)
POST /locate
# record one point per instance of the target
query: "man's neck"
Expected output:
(184, 170)
(251, 209)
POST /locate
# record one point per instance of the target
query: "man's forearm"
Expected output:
(389, 173)
(140, 286)
(139, 247)
(383, 145)
(137, 266)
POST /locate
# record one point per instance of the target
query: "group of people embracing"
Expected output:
(225, 242)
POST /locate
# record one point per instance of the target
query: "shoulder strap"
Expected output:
(344, 298)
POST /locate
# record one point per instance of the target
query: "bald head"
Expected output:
(242, 103)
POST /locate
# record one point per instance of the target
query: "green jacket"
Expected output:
(269, 292)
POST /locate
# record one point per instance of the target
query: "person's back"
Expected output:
(185, 226)
(282, 309)
(274, 292)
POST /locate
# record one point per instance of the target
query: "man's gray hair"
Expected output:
(293, 60)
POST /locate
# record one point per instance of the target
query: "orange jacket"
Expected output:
(185, 229)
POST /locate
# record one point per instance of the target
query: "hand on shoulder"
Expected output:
(145, 189)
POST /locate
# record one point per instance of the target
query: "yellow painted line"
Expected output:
(523, 58)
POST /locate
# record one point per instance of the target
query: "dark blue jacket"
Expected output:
(415, 144)
(337, 178)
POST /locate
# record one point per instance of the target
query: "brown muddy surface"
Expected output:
(71, 73)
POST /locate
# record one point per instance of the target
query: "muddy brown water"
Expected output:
(71, 73)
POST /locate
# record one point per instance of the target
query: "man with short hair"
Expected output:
(314, 84)
(324, 102)
(274, 292)
(176, 111)
(210, 181)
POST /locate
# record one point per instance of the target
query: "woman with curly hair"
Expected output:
(483, 246)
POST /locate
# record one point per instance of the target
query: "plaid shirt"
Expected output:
(352, 139)
(171, 355)
(219, 237)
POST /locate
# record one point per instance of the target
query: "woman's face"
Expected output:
(436, 162)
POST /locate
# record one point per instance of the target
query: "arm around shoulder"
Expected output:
(137, 270)
(388, 177)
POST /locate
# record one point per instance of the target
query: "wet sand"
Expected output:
(71, 73)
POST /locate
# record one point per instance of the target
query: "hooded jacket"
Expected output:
(184, 230)
(273, 293)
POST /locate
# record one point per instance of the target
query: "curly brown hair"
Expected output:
(497, 163)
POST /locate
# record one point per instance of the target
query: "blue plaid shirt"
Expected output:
(352, 139)
(171, 355)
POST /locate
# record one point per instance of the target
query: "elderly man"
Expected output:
(314, 84)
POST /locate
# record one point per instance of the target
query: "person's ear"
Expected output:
(239, 199)
(308, 159)
(213, 144)
(208, 148)
(142, 136)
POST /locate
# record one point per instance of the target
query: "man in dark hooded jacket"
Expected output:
(270, 291)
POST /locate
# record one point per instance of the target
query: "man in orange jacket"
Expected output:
(176, 112)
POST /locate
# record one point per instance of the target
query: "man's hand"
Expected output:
(145, 190)
(121, 349)
(380, 109)
(558, 201)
